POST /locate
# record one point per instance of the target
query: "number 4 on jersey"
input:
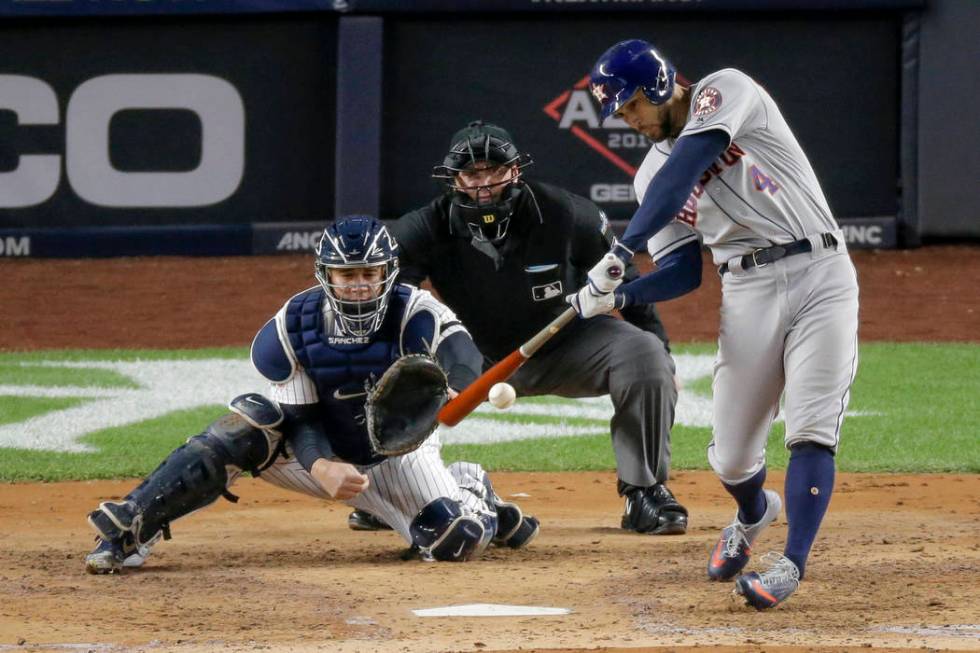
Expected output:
(763, 181)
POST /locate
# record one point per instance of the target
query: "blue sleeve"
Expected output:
(305, 435)
(677, 273)
(672, 185)
(418, 333)
(459, 357)
(268, 356)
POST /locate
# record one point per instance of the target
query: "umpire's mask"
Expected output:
(483, 173)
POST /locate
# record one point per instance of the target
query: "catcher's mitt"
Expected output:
(402, 408)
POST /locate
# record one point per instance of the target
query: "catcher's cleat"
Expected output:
(142, 552)
(734, 547)
(653, 510)
(525, 533)
(514, 529)
(111, 556)
(771, 587)
(361, 520)
(106, 558)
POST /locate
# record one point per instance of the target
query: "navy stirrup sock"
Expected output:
(809, 484)
(750, 498)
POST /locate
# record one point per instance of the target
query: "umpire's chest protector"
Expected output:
(340, 369)
(503, 304)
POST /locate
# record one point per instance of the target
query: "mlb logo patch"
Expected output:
(546, 292)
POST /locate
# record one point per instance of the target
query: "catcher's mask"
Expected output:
(483, 173)
(364, 257)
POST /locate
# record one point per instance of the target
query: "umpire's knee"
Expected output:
(641, 359)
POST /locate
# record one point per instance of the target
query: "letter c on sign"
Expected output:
(36, 176)
(216, 103)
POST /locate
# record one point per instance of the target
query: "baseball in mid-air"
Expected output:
(502, 395)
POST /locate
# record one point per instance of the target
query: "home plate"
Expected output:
(490, 610)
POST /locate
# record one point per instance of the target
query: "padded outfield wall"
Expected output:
(210, 127)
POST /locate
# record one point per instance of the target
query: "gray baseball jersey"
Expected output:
(789, 329)
(760, 192)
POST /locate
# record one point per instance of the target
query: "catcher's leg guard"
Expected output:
(190, 478)
(442, 532)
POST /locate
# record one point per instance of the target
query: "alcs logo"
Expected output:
(88, 167)
(575, 111)
(574, 106)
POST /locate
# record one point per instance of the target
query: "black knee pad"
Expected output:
(441, 531)
(238, 442)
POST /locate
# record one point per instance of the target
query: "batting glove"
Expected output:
(590, 301)
(607, 274)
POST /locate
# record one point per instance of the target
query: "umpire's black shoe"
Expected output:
(653, 510)
(361, 520)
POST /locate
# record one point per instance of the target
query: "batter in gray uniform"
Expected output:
(726, 170)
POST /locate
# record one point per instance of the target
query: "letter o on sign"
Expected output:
(218, 106)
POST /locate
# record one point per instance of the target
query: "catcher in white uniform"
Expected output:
(726, 170)
(359, 366)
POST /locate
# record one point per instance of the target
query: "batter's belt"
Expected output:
(766, 255)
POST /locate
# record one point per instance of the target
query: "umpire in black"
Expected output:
(503, 252)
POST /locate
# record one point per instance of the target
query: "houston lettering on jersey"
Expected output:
(728, 158)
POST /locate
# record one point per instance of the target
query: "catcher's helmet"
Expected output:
(485, 144)
(626, 67)
(357, 241)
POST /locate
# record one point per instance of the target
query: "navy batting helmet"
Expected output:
(357, 241)
(626, 67)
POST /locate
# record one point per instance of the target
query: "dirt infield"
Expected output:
(897, 565)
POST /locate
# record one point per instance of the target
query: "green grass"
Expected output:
(28, 373)
(122, 451)
(919, 404)
(18, 409)
(8, 360)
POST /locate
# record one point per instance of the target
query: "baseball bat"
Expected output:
(476, 393)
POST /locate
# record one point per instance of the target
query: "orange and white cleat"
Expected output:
(771, 587)
(734, 547)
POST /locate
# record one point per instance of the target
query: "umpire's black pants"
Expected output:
(604, 355)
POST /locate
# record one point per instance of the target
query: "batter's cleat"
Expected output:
(734, 547)
(771, 587)
(361, 520)
(652, 510)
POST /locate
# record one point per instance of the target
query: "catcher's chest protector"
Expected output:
(340, 370)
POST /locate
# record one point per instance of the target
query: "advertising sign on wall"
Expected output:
(501, 71)
(115, 123)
